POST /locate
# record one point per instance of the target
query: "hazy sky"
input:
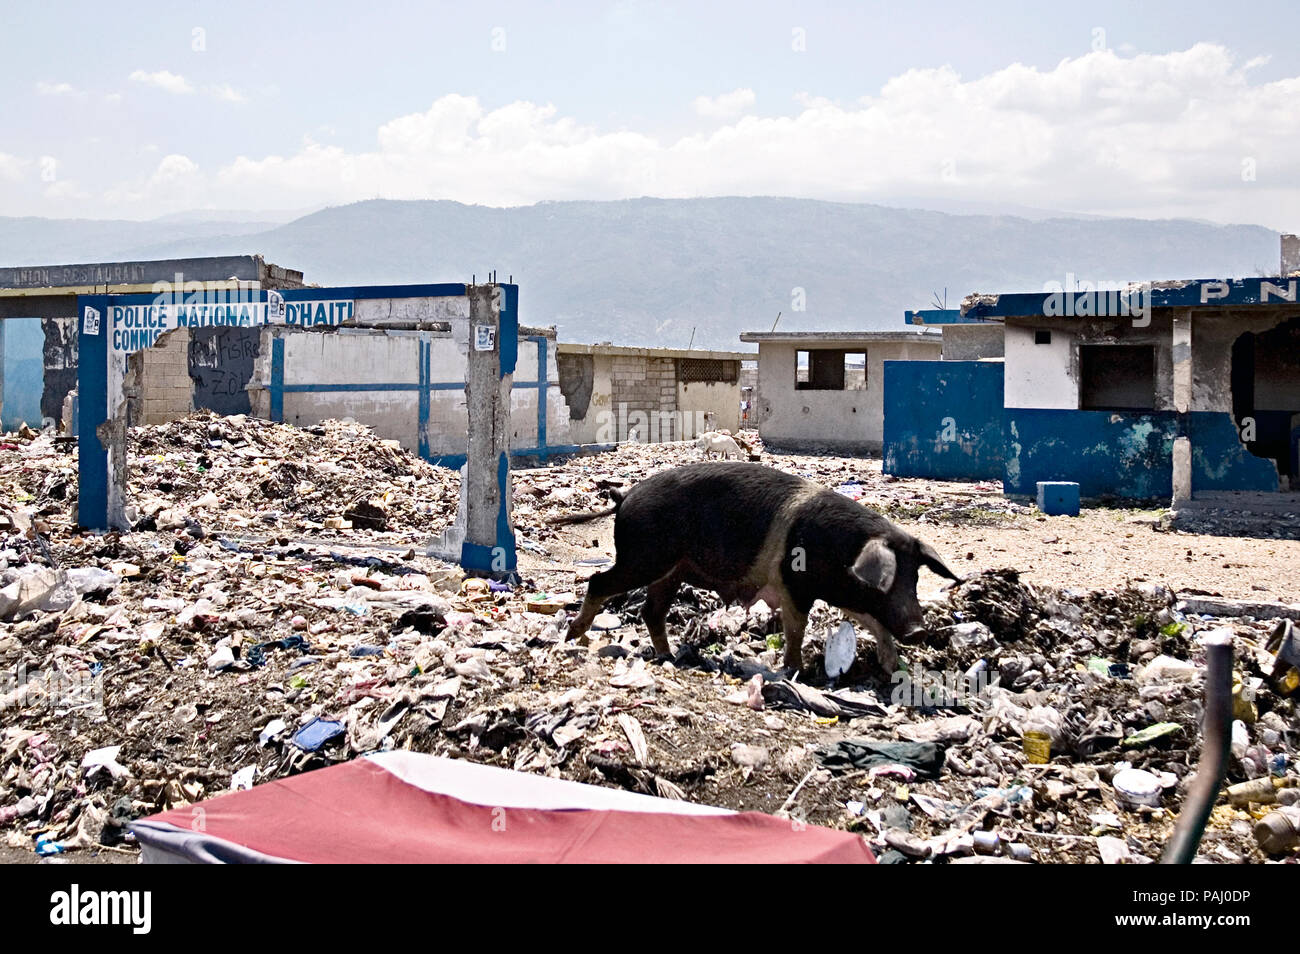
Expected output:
(137, 110)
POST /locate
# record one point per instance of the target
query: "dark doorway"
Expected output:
(1266, 394)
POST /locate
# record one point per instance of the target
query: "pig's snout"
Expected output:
(913, 631)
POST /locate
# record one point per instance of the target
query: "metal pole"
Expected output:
(1213, 767)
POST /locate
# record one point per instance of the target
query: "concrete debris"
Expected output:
(273, 610)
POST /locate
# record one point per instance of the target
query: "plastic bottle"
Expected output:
(1278, 830)
(1042, 731)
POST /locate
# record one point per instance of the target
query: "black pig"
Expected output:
(750, 532)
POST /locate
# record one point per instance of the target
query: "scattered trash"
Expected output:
(276, 588)
(923, 758)
(1135, 788)
(1279, 830)
(316, 733)
(841, 650)
(1152, 732)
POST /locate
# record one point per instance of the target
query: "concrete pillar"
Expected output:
(1182, 471)
(1290, 254)
(1182, 360)
(489, 545)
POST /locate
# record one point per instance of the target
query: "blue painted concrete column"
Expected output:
(277, 379)
(92, 399)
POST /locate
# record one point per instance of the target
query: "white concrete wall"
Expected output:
(352, 358)
(718, 398)
(1040, 375)
(523, 400)
(852, 420)
(597, 426)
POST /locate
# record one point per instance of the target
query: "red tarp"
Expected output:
(402, 807)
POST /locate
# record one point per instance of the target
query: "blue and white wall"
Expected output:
(408, 385)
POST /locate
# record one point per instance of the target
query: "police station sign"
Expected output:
(132, 327)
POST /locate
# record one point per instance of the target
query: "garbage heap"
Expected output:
(272, 612)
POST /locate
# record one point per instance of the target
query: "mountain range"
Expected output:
(665, 272)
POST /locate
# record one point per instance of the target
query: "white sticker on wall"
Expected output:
(91, 325)
(485, 337)
(274, 306)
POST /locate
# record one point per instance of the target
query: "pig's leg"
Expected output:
(617, 579)
(659, 597)
(886, 648)
(793, 621)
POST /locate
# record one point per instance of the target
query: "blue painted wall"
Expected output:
(22, 343)
(1126, 454)
(919, 396)
(1219, 459)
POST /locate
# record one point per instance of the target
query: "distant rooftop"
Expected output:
(850, 337)
(565, 347)
(141, 276)
(1208, 293)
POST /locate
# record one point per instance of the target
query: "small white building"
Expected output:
(824, 390)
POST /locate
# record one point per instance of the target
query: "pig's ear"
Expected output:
(930, 557)
(876, 565)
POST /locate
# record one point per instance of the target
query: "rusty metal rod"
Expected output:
(1215, 749)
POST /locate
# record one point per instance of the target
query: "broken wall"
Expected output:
(221, 364)
(589, 400)
(60, 360)
(851, 420)
(165, 389)
(1121, 453)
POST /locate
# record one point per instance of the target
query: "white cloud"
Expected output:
(57, 89)
(225, 93)
(726, 106)
(174, 168)
(12, 169)
(1150, 135)
(164, 80)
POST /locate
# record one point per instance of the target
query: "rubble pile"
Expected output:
(152, 669)
(243, 473)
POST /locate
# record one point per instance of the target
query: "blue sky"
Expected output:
(146, 109)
